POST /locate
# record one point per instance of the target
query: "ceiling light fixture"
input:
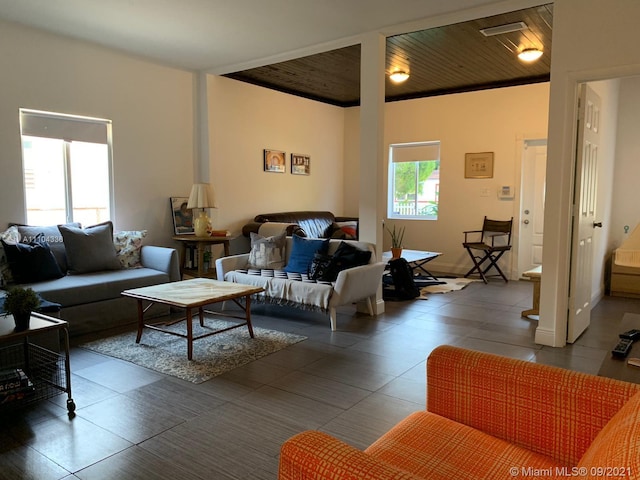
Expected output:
(530, 54)
(399, 76)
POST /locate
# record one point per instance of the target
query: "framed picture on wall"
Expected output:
(300, 164)
(478, 165)
(274, 161)
(181, 215)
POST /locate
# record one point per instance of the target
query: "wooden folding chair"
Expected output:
(495, 240)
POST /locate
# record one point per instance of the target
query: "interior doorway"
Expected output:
(532, 187)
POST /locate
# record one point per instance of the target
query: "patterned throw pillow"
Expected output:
(11, 235)
(344, 230)
(128, 245)
(267, 252)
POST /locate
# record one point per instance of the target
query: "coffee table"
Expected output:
(617, 368)
(190, 294)
(417, 260)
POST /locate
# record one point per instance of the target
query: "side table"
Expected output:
(201, 244)
(48, 372)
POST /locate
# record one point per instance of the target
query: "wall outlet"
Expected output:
(485, 192)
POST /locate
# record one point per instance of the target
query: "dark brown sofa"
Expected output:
(314, 224)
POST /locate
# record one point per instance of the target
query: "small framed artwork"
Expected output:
(274, 161)
(300, 164)
(181, 215)
(478, 165)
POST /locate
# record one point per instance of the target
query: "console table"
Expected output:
(201, 244)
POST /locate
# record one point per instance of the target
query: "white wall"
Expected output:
(151, 108)
(609, 29)
(608, 92)
(244, 120)
(483, 121)
(626, 200)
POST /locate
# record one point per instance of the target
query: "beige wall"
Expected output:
(151, 108)
(489, 120)
(245, 119)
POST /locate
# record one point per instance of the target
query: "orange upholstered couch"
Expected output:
(491, 417)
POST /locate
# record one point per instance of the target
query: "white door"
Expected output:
(584, 211)
(534, 168)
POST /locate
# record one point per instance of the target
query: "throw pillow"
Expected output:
(343, 230)
(128, 245)
(52, 236)
(319, 265)
(267, 252)
(346, 256)
(302, 252)
(11, 235)
(31, 262)
(90, 249)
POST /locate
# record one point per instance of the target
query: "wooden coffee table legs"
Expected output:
(189, 320)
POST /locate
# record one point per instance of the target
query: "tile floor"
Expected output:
(133, 423)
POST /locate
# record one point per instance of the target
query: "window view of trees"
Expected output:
(414, 188)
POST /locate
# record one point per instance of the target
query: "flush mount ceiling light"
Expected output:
(530, 54)
(399, 76)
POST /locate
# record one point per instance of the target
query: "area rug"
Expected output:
(212, 355)
(450, 285)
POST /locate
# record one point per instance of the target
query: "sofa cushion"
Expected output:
(267, 252)
(90, 249)
(302, 252)
(435, 447)
(31, 262)
(128, 244)
(52, 236)
(72, 290)
(285, 288)
(617, 444)
(11, 235)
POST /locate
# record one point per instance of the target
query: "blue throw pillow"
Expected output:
(302, 253)
(32, 262)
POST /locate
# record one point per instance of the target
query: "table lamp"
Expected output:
(200, 197)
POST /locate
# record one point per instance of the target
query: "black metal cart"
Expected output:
(30, 372)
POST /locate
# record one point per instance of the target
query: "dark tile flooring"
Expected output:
(355, 383)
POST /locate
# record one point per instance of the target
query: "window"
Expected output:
(414, 180)
(67, 168)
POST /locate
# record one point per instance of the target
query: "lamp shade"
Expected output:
(201, 196)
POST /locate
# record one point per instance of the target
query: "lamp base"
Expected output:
(202, 225)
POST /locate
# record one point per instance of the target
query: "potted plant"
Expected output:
(20, 302)
(396, 241)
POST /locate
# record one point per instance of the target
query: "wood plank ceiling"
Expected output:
(450, 59)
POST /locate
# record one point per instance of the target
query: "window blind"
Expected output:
(416, 153)
(51, 125)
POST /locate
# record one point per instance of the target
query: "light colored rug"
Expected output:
(450, 285)
(212, 355)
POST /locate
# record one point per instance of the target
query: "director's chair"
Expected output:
(495, 240)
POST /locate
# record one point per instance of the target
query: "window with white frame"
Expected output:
(414, 180)
(67, 168)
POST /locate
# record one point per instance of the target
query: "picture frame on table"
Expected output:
(478, 165)
(274, 161)
(300, 164)
(182, 216)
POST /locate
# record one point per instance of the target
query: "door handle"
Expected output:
(526, 222)
(597, 224)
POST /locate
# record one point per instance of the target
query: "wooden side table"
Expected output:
(201, 244)
(534, 275)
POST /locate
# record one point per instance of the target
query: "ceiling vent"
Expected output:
(501, 29)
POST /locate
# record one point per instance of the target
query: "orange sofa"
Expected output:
(491, 417)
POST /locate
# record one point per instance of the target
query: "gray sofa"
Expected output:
(91, 300)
